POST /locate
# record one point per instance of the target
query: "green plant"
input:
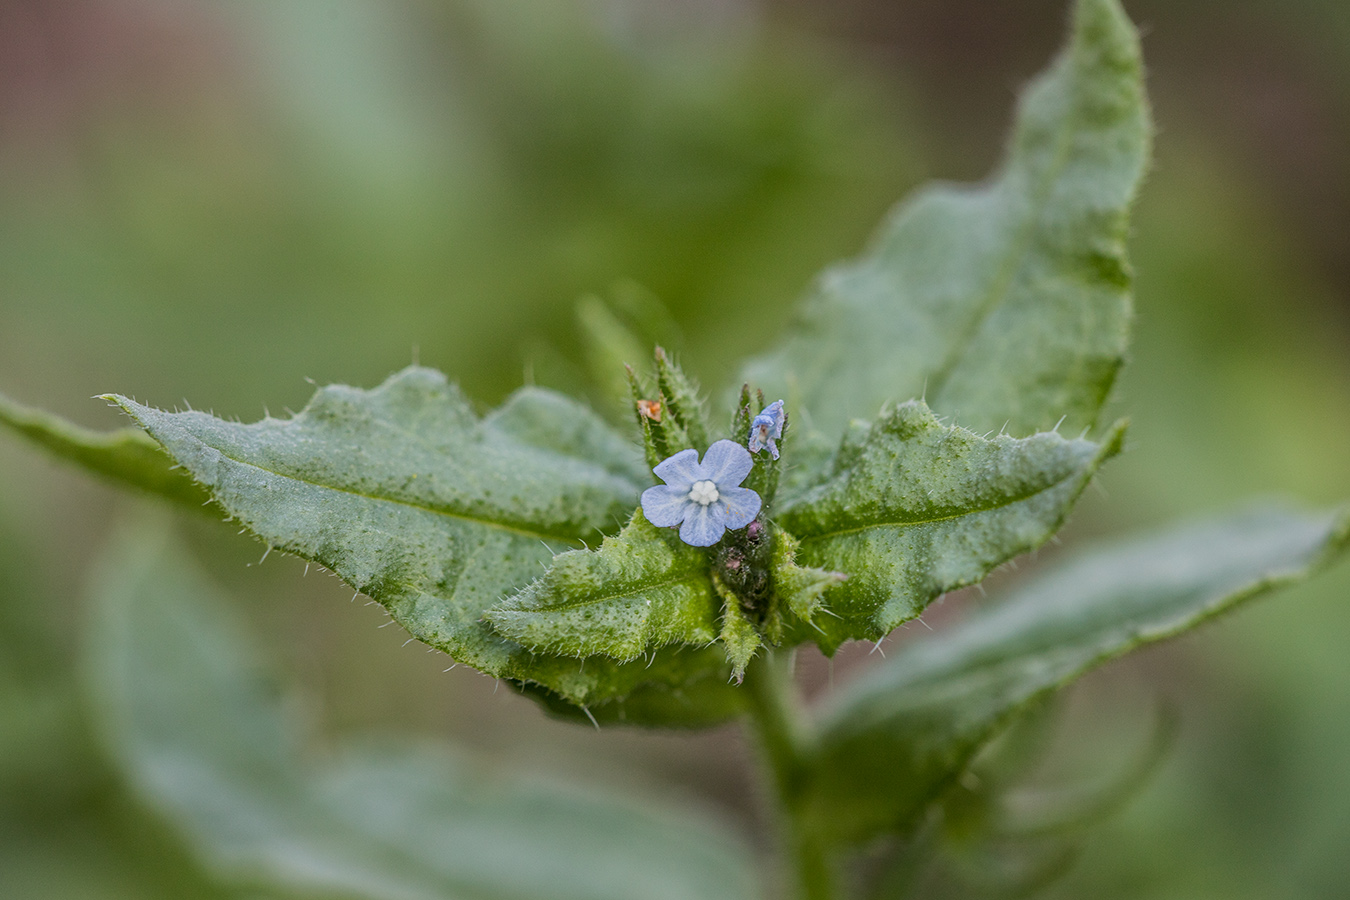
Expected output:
(1004, 308)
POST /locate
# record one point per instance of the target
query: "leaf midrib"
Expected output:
(486, 523)
(627, 593)
(931, 520)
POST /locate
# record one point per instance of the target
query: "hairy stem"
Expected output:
(787, 745)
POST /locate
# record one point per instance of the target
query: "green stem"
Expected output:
(787, 746)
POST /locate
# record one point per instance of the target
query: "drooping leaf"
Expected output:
(127, 456)
(416, 501)
(682, 687)
(201, 737)
(740, 639)
(894, 741)
(914, 508)
(1003, 304)
(641, 590)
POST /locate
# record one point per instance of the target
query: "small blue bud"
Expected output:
(766, 427)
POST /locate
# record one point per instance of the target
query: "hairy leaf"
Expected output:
(204, 740)
(900, 736)
(1006, 304)
(799, 588)
(914, 508)
(682, 687)
(127, 456)
(422, 505)
(641, 590)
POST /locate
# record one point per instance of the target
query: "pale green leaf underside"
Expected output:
(1004, 304)
(642, 589)
(205, 741)
(903, 733)
(128, 455)
(437, 514)
(914, 508)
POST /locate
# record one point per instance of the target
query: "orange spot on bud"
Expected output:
(650, 408)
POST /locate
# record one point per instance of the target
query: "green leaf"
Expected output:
(1006, 304)
(203, 738)
(800, 588)
(914, 508)
(897, 739)
(740, 639)
(127, 456)
(683, 402)
(641, 590)
(416, 501)
(683, 687)
(608, 346)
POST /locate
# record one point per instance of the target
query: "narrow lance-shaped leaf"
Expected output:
(683, 402)
(609, 346)
(1005, 304)
(640, 590)
(900, 736)
(202, 739)
(414, 500)
(914, 508)
(128, 456)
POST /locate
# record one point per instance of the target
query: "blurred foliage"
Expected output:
(220, 201)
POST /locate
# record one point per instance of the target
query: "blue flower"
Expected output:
(765, 427)
(704, 496)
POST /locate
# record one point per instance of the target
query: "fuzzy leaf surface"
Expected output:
(432, 511)
(127, 456)
(200, 734)
(640, 590)
(914, 508)
(1002, 304)
(898, 737)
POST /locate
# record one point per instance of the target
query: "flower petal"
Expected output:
(703, 525)
(774, 412)
(681, 470)
(739, 505)
(665, 506)
(726, 464)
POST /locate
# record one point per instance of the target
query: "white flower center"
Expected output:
(703, 493)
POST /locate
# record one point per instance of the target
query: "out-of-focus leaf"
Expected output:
(609, 347)
(202, 737)
(898, 738)
(914, 508)
(422, 505)
(640, 590)
(127, 456)
(1006, 304)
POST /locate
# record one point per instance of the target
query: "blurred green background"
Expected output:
(213, 203)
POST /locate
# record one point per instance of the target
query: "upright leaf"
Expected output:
(914, 508)
(608, 346)
(1005, 304)
(684, 403)
(202, 738)
(899, 737)
(127, 456)
(642, 589)
(419, 503)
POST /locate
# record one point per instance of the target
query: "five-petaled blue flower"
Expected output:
(765, 427)
(704, 496)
